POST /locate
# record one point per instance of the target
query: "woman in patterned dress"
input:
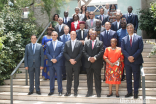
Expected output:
(114, 66)
(46, 38)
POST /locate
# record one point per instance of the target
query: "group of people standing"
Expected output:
(84, 45)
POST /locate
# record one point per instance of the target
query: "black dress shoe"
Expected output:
(67, 94)
(98, 95)
(55, 78)
(75, 93)
(128, 95)
(135, 96)
(63, 78)
(104, 79)
(60, 94)
(30, 93)
(122, 79)
(38, 92)
(110, 95)
(117, 96)
(51, 93)
(88, 95)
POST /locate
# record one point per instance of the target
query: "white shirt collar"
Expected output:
(74, 40)
(108, 30)
(55, 40)
(129, 14)
(132, 36)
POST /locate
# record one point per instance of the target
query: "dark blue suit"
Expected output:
(114, 26)
(132, 19)
(64, 40)
(55, 54)
(78, 32)
(70, 20)
(135, 51)
(105, 19)
(107, 38)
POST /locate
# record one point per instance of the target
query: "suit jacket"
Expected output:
(135, 50)
(38, 57)
(62, 38)
(97, 52)
(68, 22)
(106, 39)
(114, 26)
(75, 54)
(73, 27)
(78, 32)
(133, 20)
(62, 30)
(55, 54)
(105, 19)
(88, 23)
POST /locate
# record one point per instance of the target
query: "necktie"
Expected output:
(72, 45)
(91, 22)
(102, 17)
(54, 45)
(59, 28)
(33, 48)
(92, 44)
(82, 34)
(65, 20)
(131, 40)
(65, 38)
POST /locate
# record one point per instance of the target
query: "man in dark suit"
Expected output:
(81, 35)
(54, 52)
(104, 18)
(73, 53)
(34, 62)
(116, 25)
(60, 27)
(64, 38)
(132, 47)
(106, 37)
(67, 20)
(93, 52)
(132, 18)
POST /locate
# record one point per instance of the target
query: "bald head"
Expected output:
(73, 35)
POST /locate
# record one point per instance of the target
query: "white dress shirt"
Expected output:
(34, 47)
(75, 24)
(129, 14)
(108, 31)
(55, 44)
(132, 37)
(82, 33)
(118, 23)
(93, 47)
(73, 44)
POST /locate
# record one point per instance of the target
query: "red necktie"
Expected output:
(91, 23)
(92, 44)
(131, 40)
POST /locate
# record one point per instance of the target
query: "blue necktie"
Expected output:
(33, 48)
(65, 38)
(65, 20)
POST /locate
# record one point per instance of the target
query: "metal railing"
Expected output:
(142, 75)
(14, 71)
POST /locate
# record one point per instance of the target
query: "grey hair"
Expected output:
(66, 26)
(60, 18)
(130, 24)
(54, 32)
(77, 8)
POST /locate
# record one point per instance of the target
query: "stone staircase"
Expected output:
(20, 90)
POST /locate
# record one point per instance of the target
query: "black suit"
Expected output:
(57, 30)
(69, 21)
(95, 67)
(75, 54)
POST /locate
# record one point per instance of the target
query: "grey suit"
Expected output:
(57, 30)
(88, 23)
(34, 62)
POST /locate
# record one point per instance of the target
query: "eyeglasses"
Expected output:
(92, 34)
(53, 35)
(59, 20)
(91, 14)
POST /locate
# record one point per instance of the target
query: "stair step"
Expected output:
(84, 76)
(70, 99)
(81, 90)
(82, 83)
